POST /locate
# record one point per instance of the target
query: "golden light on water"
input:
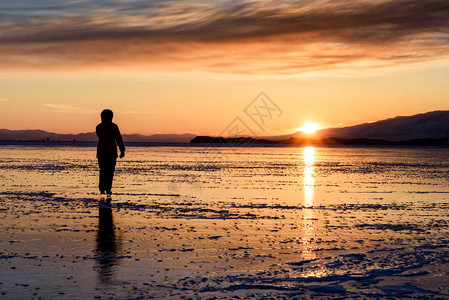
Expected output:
(309, 169)
(308, 213)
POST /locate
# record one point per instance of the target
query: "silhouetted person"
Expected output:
(108, 245)
(108, 138)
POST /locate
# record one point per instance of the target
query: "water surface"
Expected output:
(224, 222)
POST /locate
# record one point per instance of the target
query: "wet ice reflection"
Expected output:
(309, 160)
(108, 245)
(308, 213)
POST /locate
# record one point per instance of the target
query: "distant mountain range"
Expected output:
(427, 128)
(431, 128)
(40, 135)
(433, 124)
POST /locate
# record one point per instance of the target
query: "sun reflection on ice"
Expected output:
(308, 213)
(309, 169)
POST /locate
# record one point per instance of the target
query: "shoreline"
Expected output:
(213, 145)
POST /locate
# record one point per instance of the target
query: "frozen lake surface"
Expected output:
(198, 222)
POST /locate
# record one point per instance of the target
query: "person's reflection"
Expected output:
(108, 245)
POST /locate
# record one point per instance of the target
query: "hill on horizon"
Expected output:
(434, 124)
(41, 135)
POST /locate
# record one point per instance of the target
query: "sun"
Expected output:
(309, 128)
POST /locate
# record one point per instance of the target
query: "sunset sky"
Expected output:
(193, 66)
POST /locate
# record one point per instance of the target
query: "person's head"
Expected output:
(106, 116)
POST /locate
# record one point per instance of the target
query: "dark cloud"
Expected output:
(260, 36)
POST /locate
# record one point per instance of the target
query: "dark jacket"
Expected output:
(108, 138)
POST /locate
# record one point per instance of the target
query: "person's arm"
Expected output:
(118, 138)
(97, 131)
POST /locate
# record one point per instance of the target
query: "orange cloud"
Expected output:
(247, 37)
(68, 108)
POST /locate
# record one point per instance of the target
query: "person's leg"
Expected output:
(110, 173)
(103, 173)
